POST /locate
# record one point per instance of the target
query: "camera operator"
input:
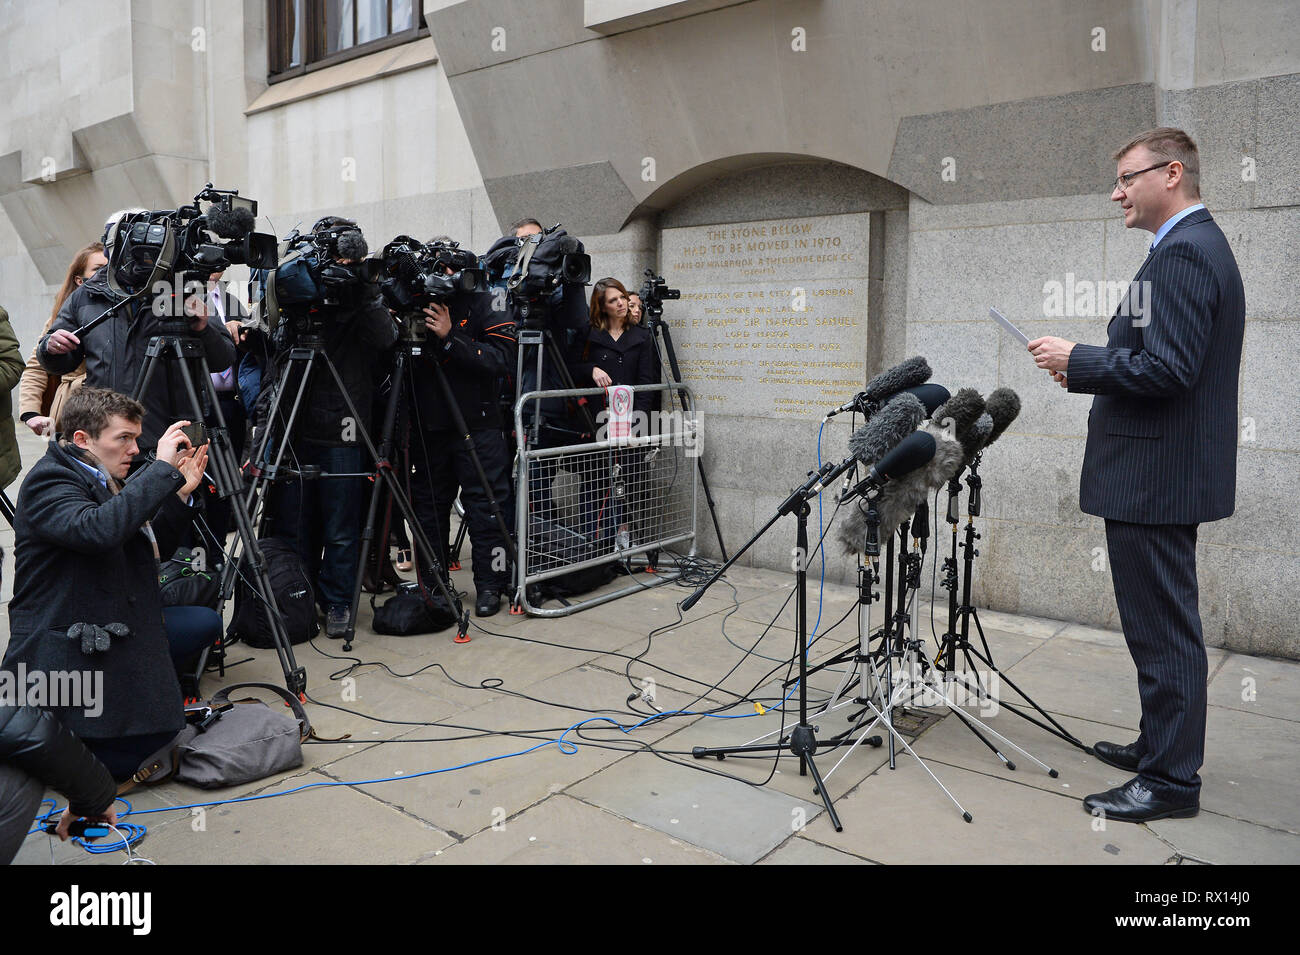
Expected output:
(87, 547)
(114, 354)
(321, 518)
(475, 347)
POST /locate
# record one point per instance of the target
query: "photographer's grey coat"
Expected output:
(81, 556)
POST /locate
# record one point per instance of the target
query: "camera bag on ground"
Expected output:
(411, 611)
(554, 545)
(294, 597)
(182, 585)
(227, 742)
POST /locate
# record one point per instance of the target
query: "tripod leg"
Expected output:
(384, 471)
(661, 327)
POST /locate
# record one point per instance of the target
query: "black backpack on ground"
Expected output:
(294, 596)
(181, 585)
(553, 545)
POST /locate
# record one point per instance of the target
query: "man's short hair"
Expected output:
(89, 409)
(1168, 143)
(523, 222)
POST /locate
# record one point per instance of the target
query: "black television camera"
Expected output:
(180, 248)
(416, 274)
(533, 269)
(320, 276)
(653, 294)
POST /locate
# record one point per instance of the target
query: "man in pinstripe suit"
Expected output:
(1161, 458)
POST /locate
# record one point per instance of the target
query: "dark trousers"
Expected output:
(1153, 567)
(440, 466)
(321, 519)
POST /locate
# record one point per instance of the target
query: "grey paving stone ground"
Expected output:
(390, 792)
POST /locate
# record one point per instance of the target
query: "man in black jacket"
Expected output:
(115, 351)
(322, 518)
(38, 753)
(86, 552)
(475, 348)
(1161, 459)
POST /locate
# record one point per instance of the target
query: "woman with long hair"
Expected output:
(41, 395)
(618, 353)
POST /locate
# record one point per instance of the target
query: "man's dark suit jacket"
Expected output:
(1162, 434)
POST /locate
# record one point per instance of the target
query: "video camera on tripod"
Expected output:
(653, 294)
(172, 252)
(416, 274)
(533, 269)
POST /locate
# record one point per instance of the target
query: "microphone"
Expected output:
(1003, 405)
(230, 223)
(894, 422)
(959, 412)
(930, 395)
(905, 374)
(914, 451)
(352, 245)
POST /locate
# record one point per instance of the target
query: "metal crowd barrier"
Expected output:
(583, 506)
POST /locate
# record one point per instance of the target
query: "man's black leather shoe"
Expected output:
(1133, 802)
(1121, 757)
(489, 602)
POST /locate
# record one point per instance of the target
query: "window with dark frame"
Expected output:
(304, 35)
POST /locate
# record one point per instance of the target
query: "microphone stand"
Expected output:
(964, 610)
(802, 740)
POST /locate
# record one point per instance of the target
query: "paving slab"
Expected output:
(903, 817)
(800, 851)
(1220, 840)
(1251, 768)
(739, 822)
(712, 732)
(492, 784)
(699, 655)
(324, 826)
(1082, 679)
(951, 743)
(1259, 685)
(561, 830)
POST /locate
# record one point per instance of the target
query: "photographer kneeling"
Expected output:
(87, 549)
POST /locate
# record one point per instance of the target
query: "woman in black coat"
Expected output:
(618, 353)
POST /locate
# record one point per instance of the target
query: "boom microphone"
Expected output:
(930, 395)
(906, 374)
(894, 422)
(352, 245)
(913, 371)
(912, 453)
(1003, 405)
(230, 223)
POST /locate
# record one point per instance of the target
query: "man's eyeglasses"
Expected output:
(1126, 180)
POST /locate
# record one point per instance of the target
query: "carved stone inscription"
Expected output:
(773, 316)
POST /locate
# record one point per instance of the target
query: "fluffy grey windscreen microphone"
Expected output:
(1003, 405)
(913, 371)
(959, 412)
(352, 245)
(230, 223)
(900, 499)
(976, 436)
(901, 416)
